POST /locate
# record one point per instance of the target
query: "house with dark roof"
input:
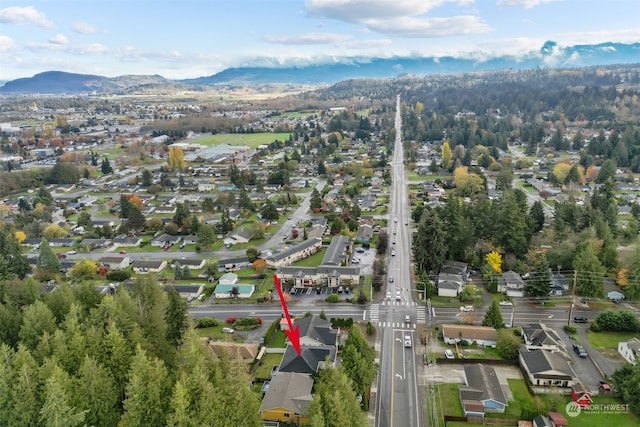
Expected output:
(232, 264)
(287, 398)
(482, 390)
(165, 239)
(539, 336)
(546, 370)
(192, 263)
(62, 242)
(316, 331)
(186, 291)
(311, 359)
(364, 234)
(129, 242)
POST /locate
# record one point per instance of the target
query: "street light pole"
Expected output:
(573, 297)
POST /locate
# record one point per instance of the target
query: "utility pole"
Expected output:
(573, 297)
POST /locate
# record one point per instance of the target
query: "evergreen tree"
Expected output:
(335, 403)
(175, 315)
(358, 362)
(269, 211)
(430, 242)
(12, 263)
(95, 393)
(57, 410)
(537, 216)
(322, 170)
(47, 259)
(106, 166)
(125, 206)
(493, 316)
(589, 271)
(316, 199)
(539, 285)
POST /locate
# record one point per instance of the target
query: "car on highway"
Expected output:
(466, 308)
(580, 319)
(395, 219)
(393, 252)
(580, 351)
(388, 294)
(398, 296)
(390, 279)
(407, 319)
(505, 303)
(407, 341)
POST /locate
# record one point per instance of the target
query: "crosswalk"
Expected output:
(396, 325)
(405, 303)
(374, 313)
(421, 316)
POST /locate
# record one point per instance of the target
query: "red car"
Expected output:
(123, 252)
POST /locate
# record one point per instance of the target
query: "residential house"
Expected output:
(149, 266)
(547, 371)
(96, 243)
(115, 262)
(165, 240)
(62, 242)
(317, 331)
(615, 296)
(191, 263)
(560, 284)
(450, 284)
(511, 283)
(287, 398)
(456, 267)
(127, 242)
(226, 290)
(186, 291)
(630, 350)
(228, 279)
(239, 236)
(482, 335)
(482, 390)
(232, 264)
(364, 234)
(311, 359)
(539, 336)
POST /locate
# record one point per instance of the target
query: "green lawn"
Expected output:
(267, 362)
(312, 261)
(279, 340)
(450, 398)
(252, 140)
(609, 339)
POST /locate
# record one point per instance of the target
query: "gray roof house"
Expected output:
(546, 370)
(311, 359)
(316, 331)
(511, 283)
(539, 336)
(294, 253)
(336, 252)
(165, 239)
(288, 393)
(483, 388)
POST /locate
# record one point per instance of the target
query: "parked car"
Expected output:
(407, 341)
(580, 319)
(449, 354)
(580, 351)
(466, 308)
(507, 303)
(228, 330)
(72, 252)
(122, 252)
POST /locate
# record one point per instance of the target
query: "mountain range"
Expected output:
(551, 55)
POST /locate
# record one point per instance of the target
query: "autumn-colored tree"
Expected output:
(54, 231)
(467, 183)
(560, 171)
(84, 269)
(623, 280)
(494, 259)
(447, 156)
(135, 200)
(259, 265)
(20, 236)
(176, 159)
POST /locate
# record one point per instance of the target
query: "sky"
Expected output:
(193, 38)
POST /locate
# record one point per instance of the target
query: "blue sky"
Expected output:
(193, 38)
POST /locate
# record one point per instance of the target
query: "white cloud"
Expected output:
(430, 27)
(84, 28)
(7, 44)
(362, 10)
(90, 49)
(308, 38)
(527, 4)
(24, 15)
(59, 39)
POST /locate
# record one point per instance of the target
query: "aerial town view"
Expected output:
(387, 214)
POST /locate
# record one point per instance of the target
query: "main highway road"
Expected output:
(398, 400)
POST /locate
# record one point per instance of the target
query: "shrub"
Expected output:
(508, 345)
(362, 298)
(616, 321)
(206, 322)
(333, 298)
(230, 320)
(118, 275)
(570, 329)
(369, 328)
(273, 329)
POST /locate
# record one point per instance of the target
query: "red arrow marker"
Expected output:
(293, 333)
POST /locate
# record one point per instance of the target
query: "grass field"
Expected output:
(267, 362)
(609, 339)
(249, 139)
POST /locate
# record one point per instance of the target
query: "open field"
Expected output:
(609, 339)
(252, 140)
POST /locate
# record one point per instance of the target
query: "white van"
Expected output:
(449, 354)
